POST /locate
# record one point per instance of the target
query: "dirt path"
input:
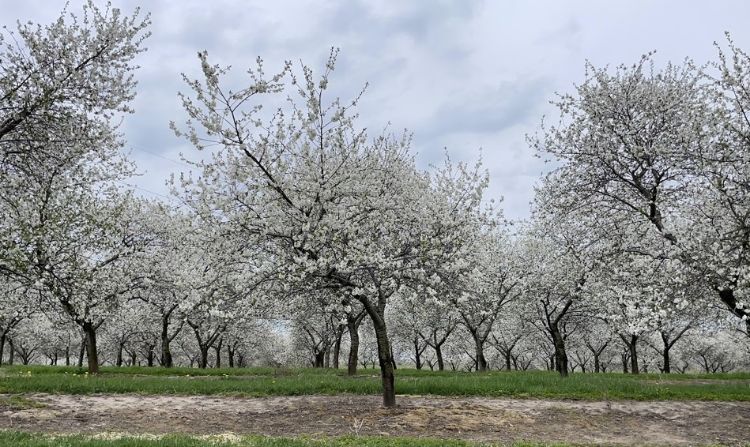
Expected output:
(486, 419)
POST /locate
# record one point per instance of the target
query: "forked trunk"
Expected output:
(480, 360)
(417, 354)
(632, 344)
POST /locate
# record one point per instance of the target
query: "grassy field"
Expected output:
(290, 382)
(18, 439)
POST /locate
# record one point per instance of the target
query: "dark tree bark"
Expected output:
(337, 345)
(150, 355)
(203, 360)
(93, 356)
(217, 352)
(439, 354)
(386, 363)
(561, 355)
(230, 354)
(319, 359)
(631, 342)
(118, 359)
(166, 340)
(353, 322)
(2, 346)
(385, 353)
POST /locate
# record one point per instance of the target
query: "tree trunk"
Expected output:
(353, 346)
(385, 358)
(217, 350)
(667, 368)
(439, 355)
(93, 357)
(166, 352)
(561, 356)
(597, 367)
(417, 354)
(633, 349)
(67, 355)
(337, 347)
(203, 361)
(81, 352)
(480, 360)
(230, 355)
(2, 347)
(150, 356)
(319, 360)
(118, 360)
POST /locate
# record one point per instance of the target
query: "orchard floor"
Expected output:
(471, 418)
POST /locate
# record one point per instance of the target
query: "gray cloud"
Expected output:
(460, 74)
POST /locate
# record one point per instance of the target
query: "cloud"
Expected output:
(459, 74)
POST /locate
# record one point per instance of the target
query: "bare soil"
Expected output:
(481, 419)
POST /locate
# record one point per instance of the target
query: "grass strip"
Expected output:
(295, 382)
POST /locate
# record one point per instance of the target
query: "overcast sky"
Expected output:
(461, 75)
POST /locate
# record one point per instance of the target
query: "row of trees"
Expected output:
(301, 222)
(519, 341)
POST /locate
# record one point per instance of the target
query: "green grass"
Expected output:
(16, 402)
(291, 382)
(18, 439)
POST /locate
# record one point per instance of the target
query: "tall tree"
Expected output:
(327, 203)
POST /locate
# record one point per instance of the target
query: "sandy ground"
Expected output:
(485, 419)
